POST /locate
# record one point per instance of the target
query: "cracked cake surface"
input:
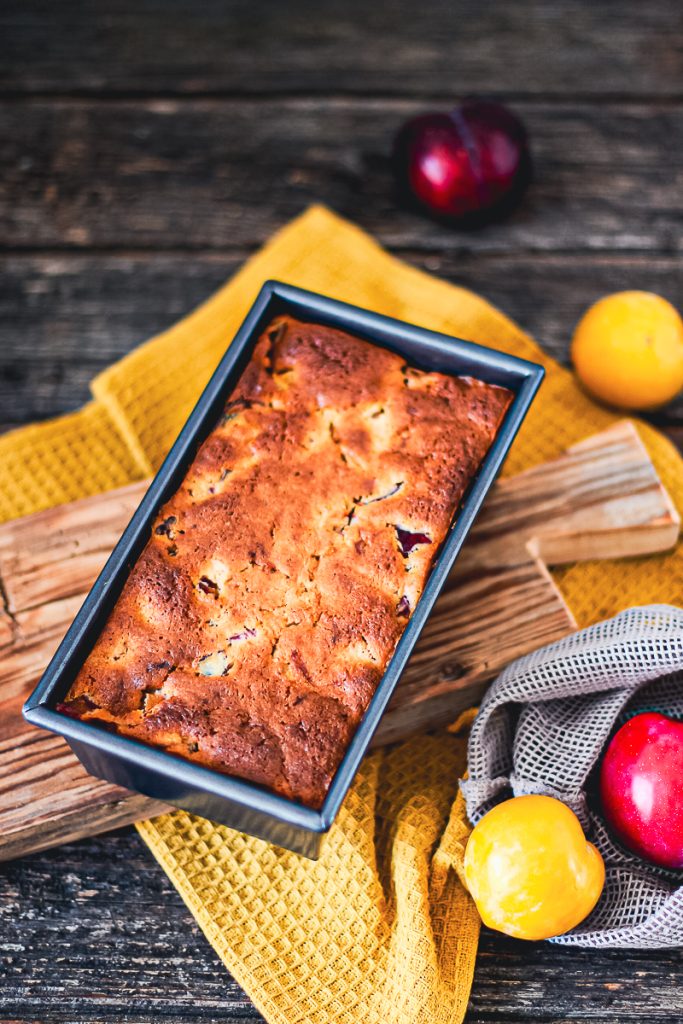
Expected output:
(256, 624)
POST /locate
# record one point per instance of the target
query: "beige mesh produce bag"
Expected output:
(542, 728)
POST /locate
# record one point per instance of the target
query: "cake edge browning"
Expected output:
(256, 625)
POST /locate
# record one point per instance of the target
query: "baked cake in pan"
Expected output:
(255, 626)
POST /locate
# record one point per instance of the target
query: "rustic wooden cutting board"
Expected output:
(601, 499)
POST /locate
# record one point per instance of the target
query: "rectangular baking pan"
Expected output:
(210, 794)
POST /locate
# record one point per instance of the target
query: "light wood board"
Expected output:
(601, 499)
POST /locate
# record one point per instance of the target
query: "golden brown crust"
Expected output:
(254, 628)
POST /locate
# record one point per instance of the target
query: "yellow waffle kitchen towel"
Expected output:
(380, 929)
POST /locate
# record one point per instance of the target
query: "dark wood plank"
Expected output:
(206, 174)
(94, 932)
(600, 501)
(63, 318)
(517, 981)
(402, 48)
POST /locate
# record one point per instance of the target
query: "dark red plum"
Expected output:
(468, 166)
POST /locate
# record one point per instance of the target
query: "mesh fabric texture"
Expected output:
(542, 727)
(380, 929)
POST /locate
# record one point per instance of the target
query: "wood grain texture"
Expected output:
(193, 174)
(316, 46)
(94, 932)
(64, 317)
(600, 499)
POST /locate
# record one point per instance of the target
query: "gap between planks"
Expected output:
(601, 499)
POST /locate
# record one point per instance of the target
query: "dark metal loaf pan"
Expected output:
(210, 794)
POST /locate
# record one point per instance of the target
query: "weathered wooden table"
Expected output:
(148, 146)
